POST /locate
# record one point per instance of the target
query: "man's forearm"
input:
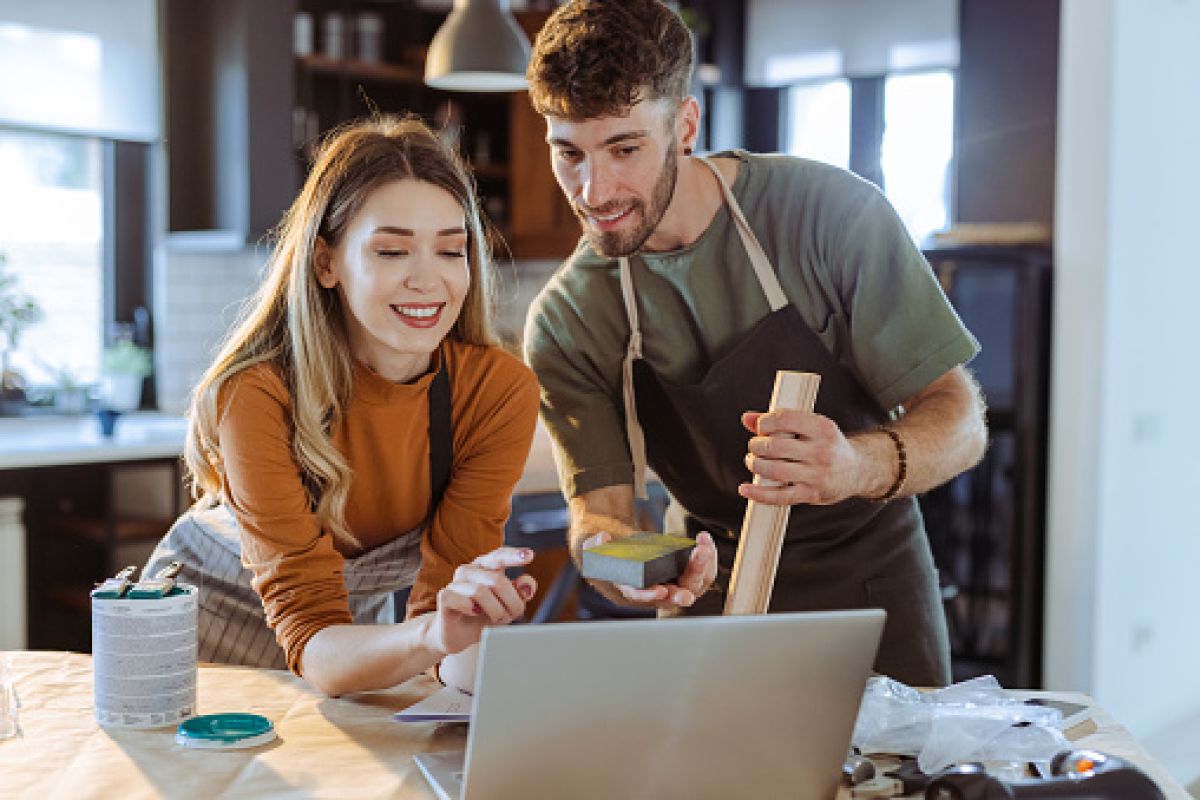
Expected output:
(608, 510)
(943, 432)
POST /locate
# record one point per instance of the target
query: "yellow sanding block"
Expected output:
(641, 560)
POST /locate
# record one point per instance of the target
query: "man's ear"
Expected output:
(323, 264)
(687, 124)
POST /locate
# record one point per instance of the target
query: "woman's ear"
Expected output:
(323, 264)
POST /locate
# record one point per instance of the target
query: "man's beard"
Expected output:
(613, 244)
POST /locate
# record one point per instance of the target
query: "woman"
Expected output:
(360, 433)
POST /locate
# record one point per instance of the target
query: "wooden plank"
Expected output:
(764, 525)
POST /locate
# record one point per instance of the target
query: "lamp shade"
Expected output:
(479, 48)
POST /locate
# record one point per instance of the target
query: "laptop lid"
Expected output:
(720, 707)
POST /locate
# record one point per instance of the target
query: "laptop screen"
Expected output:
(690, 707)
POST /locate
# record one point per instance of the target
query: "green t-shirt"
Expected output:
(844, 260)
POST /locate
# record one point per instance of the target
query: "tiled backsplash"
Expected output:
(197, 299)
(199, 294)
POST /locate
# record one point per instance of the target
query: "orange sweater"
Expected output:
(384, 435)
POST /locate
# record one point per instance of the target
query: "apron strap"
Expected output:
(766, 278)
(633, 428)
(441, 455)
(441, 436)
(758, 257)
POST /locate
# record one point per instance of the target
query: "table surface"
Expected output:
(349, 747)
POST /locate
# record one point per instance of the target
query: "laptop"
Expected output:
(703, 707)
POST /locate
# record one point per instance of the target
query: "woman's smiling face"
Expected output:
(401, 271)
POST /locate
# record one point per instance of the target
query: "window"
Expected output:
(51, 234)
(818, 124)
(902, 140)
(918, 142)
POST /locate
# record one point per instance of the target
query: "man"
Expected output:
(697, 280)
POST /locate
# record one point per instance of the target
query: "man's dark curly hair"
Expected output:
(596, 58)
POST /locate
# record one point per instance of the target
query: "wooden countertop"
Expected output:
(326, 748)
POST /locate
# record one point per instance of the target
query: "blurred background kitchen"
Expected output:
(1043, 152)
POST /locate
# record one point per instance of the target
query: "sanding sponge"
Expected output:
(641, 560)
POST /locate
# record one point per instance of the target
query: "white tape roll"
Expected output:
(144, 660)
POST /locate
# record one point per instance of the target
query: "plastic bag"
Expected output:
(976, 720)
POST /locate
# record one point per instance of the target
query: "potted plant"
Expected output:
(123, 367)
(70, 392)
(17, 312)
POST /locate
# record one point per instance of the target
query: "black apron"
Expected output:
(855, 554)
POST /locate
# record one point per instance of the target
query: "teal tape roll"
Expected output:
(228, 731)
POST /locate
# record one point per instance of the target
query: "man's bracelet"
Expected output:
(902, 461)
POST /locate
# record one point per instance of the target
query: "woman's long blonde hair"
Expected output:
(296, 325)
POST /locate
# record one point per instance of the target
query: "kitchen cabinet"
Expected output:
(247, 113)
(228, 104)
(499, 134)
(542, 224)
(91, 506)
(82, 526)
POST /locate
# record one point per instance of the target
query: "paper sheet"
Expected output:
(447, 705)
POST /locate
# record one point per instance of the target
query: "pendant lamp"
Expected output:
(479, 48)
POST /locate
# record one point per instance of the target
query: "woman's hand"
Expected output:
(696, 579)
(480, 595)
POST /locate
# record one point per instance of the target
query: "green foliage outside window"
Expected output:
(18, 311)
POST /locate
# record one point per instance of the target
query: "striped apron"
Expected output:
(232, 624)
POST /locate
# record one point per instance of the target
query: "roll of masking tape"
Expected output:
(144, 659)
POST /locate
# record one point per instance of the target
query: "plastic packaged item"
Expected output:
(970, 721)
(368, 37)
(333, 41)
(302, 34)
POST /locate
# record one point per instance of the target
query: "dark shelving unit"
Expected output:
(987, 526)
(245, 114)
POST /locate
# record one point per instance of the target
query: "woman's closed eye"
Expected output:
(452, 246)
(390, 252)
